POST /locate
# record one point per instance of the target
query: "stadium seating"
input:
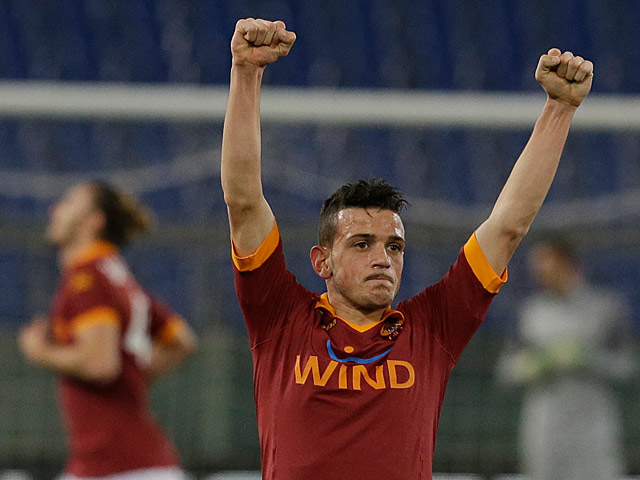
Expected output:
(426, 44)
(430, 44)
(12, 287)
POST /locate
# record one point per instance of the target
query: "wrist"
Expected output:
(40, 355)
(561, 107)
(247, 69)
(556, 113)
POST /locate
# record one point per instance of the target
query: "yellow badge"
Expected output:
(81, 282)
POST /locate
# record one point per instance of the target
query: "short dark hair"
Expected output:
(372, 193)
(125, 216)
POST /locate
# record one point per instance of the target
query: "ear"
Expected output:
(320, 261)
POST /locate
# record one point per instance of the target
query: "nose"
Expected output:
(380, 257)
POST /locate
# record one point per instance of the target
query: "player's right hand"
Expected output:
(33, 338)
(258, 43)
(565, 77)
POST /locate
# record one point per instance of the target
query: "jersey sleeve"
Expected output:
(165, 324)
(456, 306)
(87, 303)
(267, 291)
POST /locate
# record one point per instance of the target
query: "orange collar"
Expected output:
(323, 304)
(98, 249)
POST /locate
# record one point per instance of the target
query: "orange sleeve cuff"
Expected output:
(490, 280)
(171, 330)
(95, 316)
(256, 259)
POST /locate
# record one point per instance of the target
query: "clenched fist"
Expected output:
(259, 42)
(33, 338)
(565, 77)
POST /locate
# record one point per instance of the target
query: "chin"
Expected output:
(381, 300)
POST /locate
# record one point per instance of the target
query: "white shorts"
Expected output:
(160, 473)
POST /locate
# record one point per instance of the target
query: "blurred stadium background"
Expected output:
(133, 91)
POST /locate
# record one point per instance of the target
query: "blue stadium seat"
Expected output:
(452, 167)
(70, 40)
(161, 272)
(631, 50)
(464, 48)
(211, 28)
(12, 288)
(10, 155)
(428, 42)
(626, 148)
(11, 62)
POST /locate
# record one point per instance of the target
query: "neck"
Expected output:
(71, 251)
(354, 314)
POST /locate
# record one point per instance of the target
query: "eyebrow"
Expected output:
(370, 236)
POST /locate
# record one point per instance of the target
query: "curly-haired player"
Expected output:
(107, 337)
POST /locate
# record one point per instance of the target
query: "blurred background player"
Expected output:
(573, 346)
(107, 338)
(326, 408)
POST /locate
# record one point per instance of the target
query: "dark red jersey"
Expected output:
(340, 401)
(110, 428)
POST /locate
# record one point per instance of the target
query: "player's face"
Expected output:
(68, 216)
(547, 267)
(367, 257)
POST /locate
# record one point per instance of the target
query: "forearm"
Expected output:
(164, 359)
(250, 216)
(167, 354)
(74, 361)
(241, 150)
(533, 173)
(527, 186)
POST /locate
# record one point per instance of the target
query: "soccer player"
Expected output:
(345, 386)
(107, 337)
(574, 345)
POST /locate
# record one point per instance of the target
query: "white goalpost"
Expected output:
(340, 107)
(498, 111)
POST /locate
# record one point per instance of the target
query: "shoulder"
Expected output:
(82, 280)
(96, 284)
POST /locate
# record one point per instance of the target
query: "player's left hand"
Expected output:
(565, 77)
(33, 339)
(257, 42)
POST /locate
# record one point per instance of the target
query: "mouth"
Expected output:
(379, 276)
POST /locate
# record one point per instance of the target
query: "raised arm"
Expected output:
(567, 81)
(255, 44)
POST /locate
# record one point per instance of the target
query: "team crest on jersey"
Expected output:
(81, 282)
